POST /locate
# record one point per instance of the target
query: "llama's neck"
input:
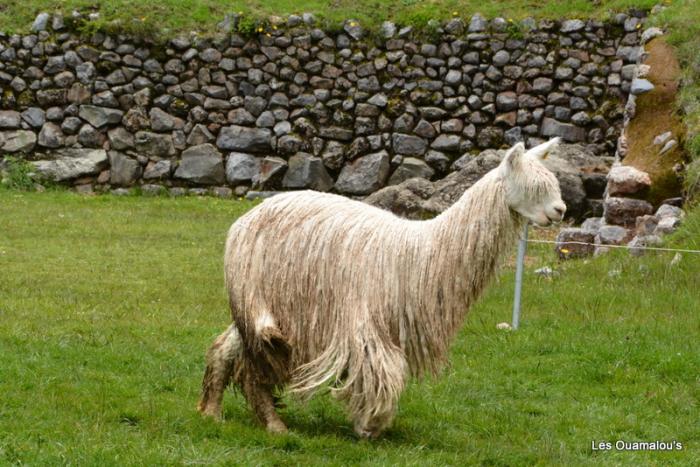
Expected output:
(467, 242)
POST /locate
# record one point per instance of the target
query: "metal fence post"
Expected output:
(519, 266)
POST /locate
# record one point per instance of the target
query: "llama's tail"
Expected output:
(270, 352)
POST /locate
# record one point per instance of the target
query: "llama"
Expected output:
(324, 289)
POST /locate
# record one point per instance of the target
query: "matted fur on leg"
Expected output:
(221, 361)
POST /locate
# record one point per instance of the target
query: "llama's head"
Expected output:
(531, 189)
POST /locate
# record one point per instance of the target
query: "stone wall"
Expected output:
(296, 107)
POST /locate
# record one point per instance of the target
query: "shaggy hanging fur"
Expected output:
(326, 289)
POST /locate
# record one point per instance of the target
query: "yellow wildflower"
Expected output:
(564, 250)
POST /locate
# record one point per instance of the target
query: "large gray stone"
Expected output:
(624, 211)
(72, 163)
(51, 136)
(120, 139)
(34, 116)
(9, 119)
(418, 198)
(612, 235)
(157, 170)
(411, 167)
(364, 175)
(624, 180)
(307, 171)
(123, 170)
(640, 86)
(17, 141)
(447, 143)
(154, 144)
(408, 145)
(668, 210)
(100, 116)
(202, 164)
(572, 25)
(574, 243)
(40, 22)
(239, 138)
(272, 170)
(566, 131)
(241, 168)
(163, 121)
(333, 155)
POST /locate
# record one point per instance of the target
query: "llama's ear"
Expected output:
(513, 158)
(543, 150)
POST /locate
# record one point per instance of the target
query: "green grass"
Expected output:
(203, 15)
(108, 304)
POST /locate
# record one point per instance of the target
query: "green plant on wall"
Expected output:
(16, 174)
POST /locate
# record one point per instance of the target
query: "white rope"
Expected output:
(626, 247)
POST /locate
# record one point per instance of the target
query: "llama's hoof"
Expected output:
(367, 434)
(277, 427)
(209, 411)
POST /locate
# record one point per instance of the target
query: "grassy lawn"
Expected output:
(108, 304)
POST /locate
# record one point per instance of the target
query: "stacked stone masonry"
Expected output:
(298, 107)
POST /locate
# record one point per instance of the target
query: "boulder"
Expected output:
(334, 155)
(123, 171)
(100, 116)
(154, 144)
(34, 116)
(668, 210)
(72, 163)
(307, 171)
(202, 164)
(411, 167)
(624, 211)
(17, 141)
(239, 138)
(120, 139)
(364, 175)
(645, 225)
(626, 181)
(416, 198)
(667, 225)
(566, 131)
(272, 170)
(163, 121)
(592, 224)
(612, 235)
(447, 143)
(574, 243)
(569, 163)
(51, 136)
(410, 199)
(9, 119)
(241, 167)
(408, 145)
(157, 170)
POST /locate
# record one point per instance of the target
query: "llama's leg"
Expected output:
(261, 400)
(373, 395)
(221, 358)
